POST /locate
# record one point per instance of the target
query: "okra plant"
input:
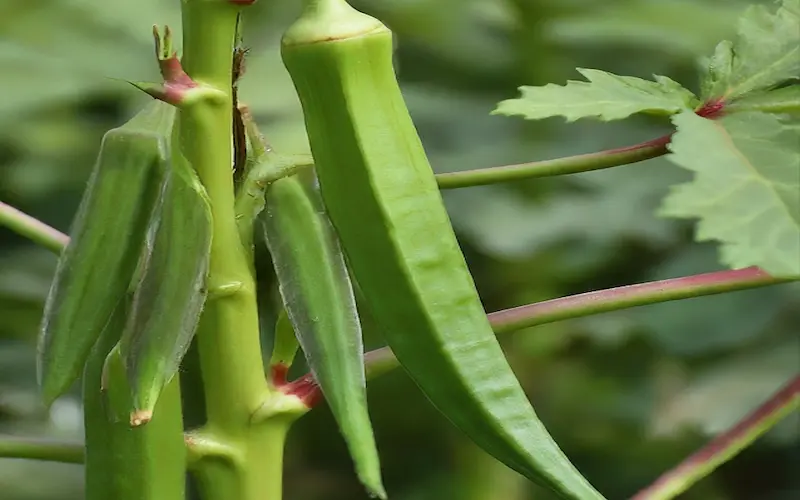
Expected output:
(160, 255)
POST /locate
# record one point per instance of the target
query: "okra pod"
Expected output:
(171, 292)
(320, 304)
(382, 197)
(95, 269)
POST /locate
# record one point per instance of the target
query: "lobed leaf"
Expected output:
(765, 53)
(605, 96)
(783, 100)
(746, 190)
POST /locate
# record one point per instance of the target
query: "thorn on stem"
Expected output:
(176, 83)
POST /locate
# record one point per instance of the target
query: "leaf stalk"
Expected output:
(725, 446)
(40, 449)
(559, 166)
(32, 228)
(382, 360)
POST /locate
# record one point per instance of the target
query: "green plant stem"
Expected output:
(33, 229)
(382, 360)
(725, 446)
(559, 166)
(228, 336)
(228, 341)
(39, 449)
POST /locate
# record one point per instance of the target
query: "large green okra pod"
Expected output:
(319, 300)
(95, 269)
(383, 200)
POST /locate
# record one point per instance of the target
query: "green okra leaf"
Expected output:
(171, 291)
(765, 53)
(146, 463)
(97, 265)
(757, 222)
(382, 198)
(320, 304)
(603, 95)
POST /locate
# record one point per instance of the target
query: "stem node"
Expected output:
(202, 445)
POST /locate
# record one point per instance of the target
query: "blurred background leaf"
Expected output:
(626, 394)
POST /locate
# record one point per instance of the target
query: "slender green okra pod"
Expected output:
(382, 198)
(170, 294)
(320, 303)
(96, 267)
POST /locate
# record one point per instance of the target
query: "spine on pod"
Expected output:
(170, 294)
(320, 304)
(97, 265)
(383, 200)
(146, 463)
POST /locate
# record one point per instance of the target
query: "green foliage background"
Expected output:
(627, 394)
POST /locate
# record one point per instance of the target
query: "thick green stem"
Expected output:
(33, 229)
(39, 449)
(229, 344)
(228, 337)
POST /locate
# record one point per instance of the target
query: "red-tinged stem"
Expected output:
(33, 229)
(305, 389)
(560, 166)
(613, 299)
(572, 164)
(382, 360)
(40, 449)
(725, 446)
(278, 374)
